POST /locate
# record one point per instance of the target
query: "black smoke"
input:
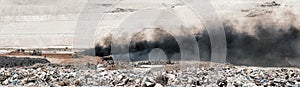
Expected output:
(139, 50)
(267, 47)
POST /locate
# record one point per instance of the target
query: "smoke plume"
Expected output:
(269, 39)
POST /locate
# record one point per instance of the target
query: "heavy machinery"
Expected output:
(36, 53)
(108, 59)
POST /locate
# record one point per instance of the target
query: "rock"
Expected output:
(238, 84)
(120, 77)
(101, 69)
(31, 84)
(190, 81)
(162, 79)
(51, 72)
(149, 84)
(15, 82)
(277, 80)
(171, 76)
(62, 75)
(77, 83)
(158, 85)
(137, 81)
(249, 85)
(297, 83)
(100, 65)
(222, 83)
(32, 79)
(151, 79)
(6, 82)
(63, 83)
(7, 74)
(125, 81)
(2, 78)
(15, 75)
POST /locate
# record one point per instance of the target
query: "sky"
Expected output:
(44, 23)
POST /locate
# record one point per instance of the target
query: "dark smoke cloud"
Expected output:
(139, 49)
(264, 42)
(268, 47)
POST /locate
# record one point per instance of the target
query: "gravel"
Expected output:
(76, 75)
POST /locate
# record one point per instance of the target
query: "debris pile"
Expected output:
(72, 75)
(263, 9)
(14, 61)
(270, 4)
(117, 10)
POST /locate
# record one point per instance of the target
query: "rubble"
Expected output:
(270, 4)
(122, 10)
(263, 9)
(14, 61)
(72, 75)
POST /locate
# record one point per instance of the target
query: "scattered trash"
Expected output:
(94, 75)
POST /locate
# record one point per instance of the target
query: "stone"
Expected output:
(15, 82)
(137, 80)
(171, 76)
(6, 82)
(15, 75)
(151, 79)
(162, 79)
(31, 84)
(125, 81)
(158, 85)
(60, 75)
(2, 78)
(149, 84)
(77, 83)
(222, 83)
(7, 74)
(63, 83)
(120, 77)
(277, 80)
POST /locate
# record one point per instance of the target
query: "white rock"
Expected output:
(171, 76)
(5, 82)
(100, 65)
(38, 69)
(151, 79)
(297, 83)
(120, 76)
(15, 75)
(31, 84)
(51, 72)
(149, 83)
(158, 85)
(101, 69)
(137, 80)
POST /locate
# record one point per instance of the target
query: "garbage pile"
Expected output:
(24, 61)
(75, 75)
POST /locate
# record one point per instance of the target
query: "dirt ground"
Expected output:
(83, 60)
(62, 58)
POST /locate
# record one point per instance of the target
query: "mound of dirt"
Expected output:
(14, 61)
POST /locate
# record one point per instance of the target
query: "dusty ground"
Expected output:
(83, 60)
(61, 58)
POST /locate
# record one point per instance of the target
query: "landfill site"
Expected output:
(150, 43)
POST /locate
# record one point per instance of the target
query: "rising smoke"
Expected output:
(264, 49)
(264, 41)
(268, 47)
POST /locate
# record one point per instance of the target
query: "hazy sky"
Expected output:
(52, 22)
